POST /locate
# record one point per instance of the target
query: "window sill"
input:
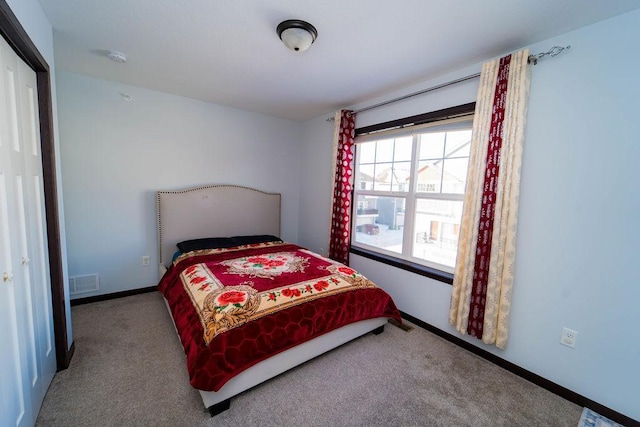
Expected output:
(413, 267)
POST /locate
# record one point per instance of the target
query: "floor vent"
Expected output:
(84, 283)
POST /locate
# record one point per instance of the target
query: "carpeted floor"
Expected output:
(129, 370)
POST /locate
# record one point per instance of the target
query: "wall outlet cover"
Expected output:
(568, 337)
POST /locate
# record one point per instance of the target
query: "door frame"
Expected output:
(19, 40)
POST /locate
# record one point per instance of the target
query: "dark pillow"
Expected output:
(208, 243)
(260, 238)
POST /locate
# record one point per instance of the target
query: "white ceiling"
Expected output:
(228, 52)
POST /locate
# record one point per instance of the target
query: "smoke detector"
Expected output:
(117, 56)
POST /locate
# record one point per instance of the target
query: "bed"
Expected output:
(246, 305)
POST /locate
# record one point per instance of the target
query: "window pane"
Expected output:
(402, 150)
(401, 173)
(379, 222)
(367, 152)
(432, 145)
(437, 226)
(364, 178)
(383, 176)
(384, 151)
(458, 143)
(455, 175)
(429, 176)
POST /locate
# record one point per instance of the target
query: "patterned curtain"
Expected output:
(340, 239)
(483, 278)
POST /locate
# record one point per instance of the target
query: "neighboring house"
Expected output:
(433, 225)
(438, 223)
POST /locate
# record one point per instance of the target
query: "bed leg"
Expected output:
(378, 330)
(219, 407)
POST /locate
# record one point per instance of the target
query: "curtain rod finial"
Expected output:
(554, 51)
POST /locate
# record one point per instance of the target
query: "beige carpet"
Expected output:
(129, 370)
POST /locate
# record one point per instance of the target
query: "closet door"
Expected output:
(35, 257)
(27, 359)
(14, 349)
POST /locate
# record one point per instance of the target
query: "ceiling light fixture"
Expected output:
(297, 35)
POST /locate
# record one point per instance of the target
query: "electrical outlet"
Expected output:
(145, 260)
(568, 337)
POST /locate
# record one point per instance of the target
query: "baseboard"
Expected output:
(536, 379)
(113, 295)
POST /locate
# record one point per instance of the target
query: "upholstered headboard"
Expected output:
(214, 211)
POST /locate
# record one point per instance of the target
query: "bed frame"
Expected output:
(231, 210)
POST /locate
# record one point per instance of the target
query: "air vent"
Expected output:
(84, 283)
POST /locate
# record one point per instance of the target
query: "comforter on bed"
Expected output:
(234, 307)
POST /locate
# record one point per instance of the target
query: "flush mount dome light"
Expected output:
(297, 35)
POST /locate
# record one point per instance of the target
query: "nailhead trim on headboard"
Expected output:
(193, 189)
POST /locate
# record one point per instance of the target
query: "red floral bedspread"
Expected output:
(235, 307)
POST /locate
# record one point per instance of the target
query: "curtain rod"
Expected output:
(533, 59)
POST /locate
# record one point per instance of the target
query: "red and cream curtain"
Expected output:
(343, 154)
(483, 278)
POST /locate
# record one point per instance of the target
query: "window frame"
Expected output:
(395, 129)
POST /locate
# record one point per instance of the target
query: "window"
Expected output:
(409, 190)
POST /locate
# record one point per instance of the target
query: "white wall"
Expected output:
(316, 185)
(577, 261)
(117, 154)
(35, 23)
